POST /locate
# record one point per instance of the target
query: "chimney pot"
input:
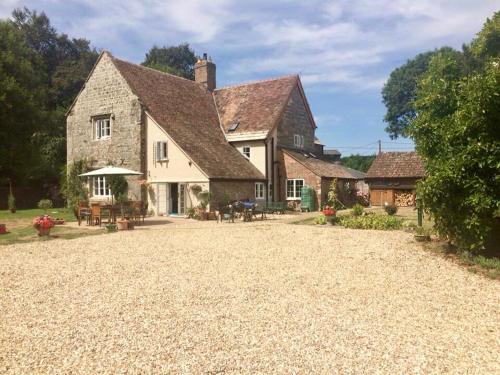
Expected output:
(205, 56)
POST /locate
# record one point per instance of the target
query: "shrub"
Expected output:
(390, 209)
(380, 222)
(357, 209)
(320, 220)
(45, 204)
(73, 187)
(11, 202)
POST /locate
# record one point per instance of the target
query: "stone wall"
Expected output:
(235, 190)
(296, 120)
(107, 93)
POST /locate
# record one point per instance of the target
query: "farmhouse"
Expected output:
(251, 141)
(392, 178)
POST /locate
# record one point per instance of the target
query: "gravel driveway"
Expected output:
(267, 297)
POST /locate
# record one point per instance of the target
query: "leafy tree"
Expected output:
(359, 162)
(178, 60)
(73, 187)
(398, 93)
(456, 132)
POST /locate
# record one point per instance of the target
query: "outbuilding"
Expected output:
(392, 178)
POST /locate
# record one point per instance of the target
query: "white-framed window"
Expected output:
(102, 128)
(294, 188)
(259, 190)
(161, 151)
(298, 140)
(101, 188)
(246, 152)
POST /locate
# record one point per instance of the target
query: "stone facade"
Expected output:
(107, 93)
(296, 120)
(232, 190)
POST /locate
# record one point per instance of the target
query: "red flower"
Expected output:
(43, 222)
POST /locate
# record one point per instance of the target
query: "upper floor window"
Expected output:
(259, 190)
(102, 127)
(101, 187)
(298, 140)
(161, 151)
(294, 188)
(246, 152)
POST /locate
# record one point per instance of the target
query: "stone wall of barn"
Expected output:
(232, 190)
(106, 93)
(296, 120)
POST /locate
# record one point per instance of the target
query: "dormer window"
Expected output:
(246, 152)
(298, 140)
(102, 127)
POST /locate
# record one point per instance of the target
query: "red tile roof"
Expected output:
(187, 113)
(324, 168)
(255, 106)
(396, 165)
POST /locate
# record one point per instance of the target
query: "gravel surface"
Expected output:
(200, 297)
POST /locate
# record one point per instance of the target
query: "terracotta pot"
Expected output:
(43, 231)
(13, 210)
(422, 237)
(122, 224)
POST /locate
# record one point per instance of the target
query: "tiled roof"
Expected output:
(324, 168)
(396, 164)
(187, 113)
(254, 106)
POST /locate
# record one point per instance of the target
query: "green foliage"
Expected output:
(456, 133)
(204, 198)
(11, 202)
(45, 204)
(357, 209)
(118, 186)
(379, 222)
(320, 220)
(73, 188)
(391, 209)
(359, 162)
(333, 200)
(178, 60)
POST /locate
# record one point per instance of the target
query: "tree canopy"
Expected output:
(457, 134)
(178, 60)
(359, 162)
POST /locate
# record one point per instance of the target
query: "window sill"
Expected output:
(293, 199)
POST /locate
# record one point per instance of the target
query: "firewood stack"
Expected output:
(404, 199)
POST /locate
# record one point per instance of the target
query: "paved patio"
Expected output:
(263, 297)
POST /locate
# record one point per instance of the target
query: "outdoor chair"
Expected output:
(83, 213)
(139, 211)
(99, 213)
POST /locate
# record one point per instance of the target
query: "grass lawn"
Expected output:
(20, 229)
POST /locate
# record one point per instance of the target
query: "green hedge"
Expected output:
(380, 222)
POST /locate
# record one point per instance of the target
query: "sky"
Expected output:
(344, 50)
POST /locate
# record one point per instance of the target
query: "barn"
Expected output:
(392, 178)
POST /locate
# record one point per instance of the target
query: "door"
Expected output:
(174, 198)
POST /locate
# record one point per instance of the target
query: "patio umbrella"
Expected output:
(111, 171)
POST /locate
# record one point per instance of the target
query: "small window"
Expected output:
(233, 127)
(161, 151)
(102, 128)
(246, 152)
(101, 188)
(298, 140)
(259, 190)
(294, 188)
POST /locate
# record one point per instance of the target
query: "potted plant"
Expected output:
(3, 229)
(119, 186)
(201, 209)
(422, 234)
(11, 203)
(329, 213)
(43, 224)
(111, 228)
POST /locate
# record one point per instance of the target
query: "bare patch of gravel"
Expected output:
(243, 298)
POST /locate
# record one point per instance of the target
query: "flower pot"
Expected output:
(43, 232)
(123, 224)
(13, 210)
(111, 228)
(422, 237)
(3, 229)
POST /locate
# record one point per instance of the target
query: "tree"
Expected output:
(457, 134)
(359, 162)
(178, 60)
(398, 93)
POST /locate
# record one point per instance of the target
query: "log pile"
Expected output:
(404, 198)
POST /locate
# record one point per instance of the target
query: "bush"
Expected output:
(45, 204)
(391, 209)
(11, 202)
(320, 220)
(357, 209)
(379, 222)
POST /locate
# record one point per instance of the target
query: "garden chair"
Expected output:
(83, 213)
(99, 213)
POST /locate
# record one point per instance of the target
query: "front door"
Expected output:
(174, 198)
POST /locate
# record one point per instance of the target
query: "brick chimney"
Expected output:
(204, 72)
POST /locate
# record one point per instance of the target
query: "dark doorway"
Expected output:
(174, 195)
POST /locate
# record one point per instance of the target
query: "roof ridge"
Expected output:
(255, 82)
